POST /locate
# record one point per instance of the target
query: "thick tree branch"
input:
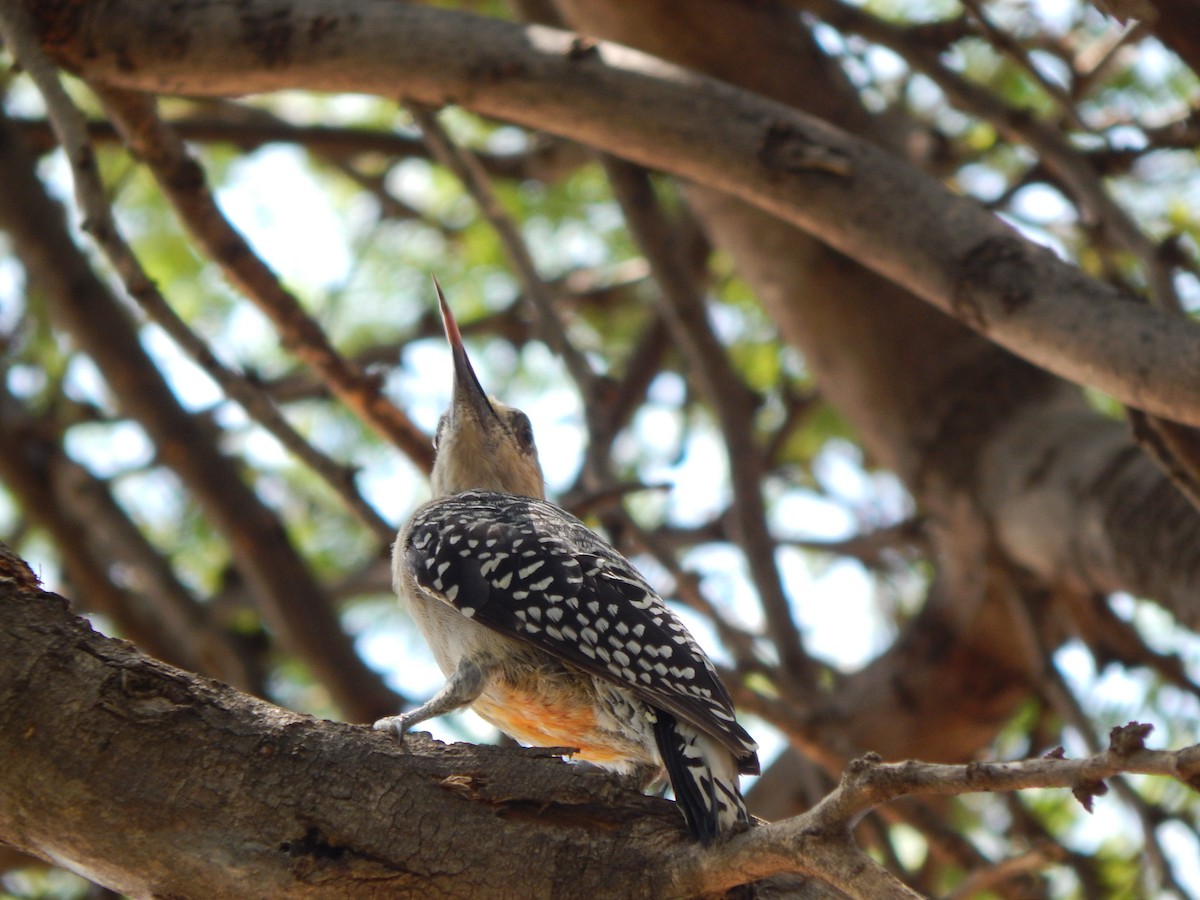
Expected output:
(216, 791)
(1124, 517)
(860, 199)
(156, 782)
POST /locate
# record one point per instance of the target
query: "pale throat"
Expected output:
(477, 469)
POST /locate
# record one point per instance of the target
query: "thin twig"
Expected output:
(257, 404)
(79, 512)
(1068, 165)
(468, 170)
(871, 548)
(1094, 62)
(549, 160)
(1060, 696)
(261, 408)
(1004, 42)
(1174, 448)
(1027, 824)
(738, 641)
(1112, 639)
(687, 320)
(991, 878)
(869, 782)
(288, 596)
(604, 409)
(183, 183)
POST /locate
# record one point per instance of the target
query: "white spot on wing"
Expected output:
(530, 569)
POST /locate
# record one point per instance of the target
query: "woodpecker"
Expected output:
(549, 633)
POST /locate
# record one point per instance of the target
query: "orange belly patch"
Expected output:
(544, 721)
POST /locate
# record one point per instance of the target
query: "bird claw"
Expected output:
(396, 726)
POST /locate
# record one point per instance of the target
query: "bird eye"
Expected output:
(522, 429)
(437, 435)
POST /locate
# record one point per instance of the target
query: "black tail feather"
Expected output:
(693, 781)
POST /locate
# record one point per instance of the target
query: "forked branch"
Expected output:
(819, 842)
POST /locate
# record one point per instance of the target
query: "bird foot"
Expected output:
(396, 726)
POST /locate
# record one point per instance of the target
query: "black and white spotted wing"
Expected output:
(532, 571)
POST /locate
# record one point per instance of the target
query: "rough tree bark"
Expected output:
(156, 782)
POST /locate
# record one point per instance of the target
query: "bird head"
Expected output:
(481, 443)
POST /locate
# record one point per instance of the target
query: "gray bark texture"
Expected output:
(156, 782)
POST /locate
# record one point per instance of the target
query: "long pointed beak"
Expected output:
(467, 389)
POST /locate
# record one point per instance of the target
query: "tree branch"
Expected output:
(1055, 153)
(255, 401)
(182, 181)
(311, 808)
(95, 535)
(289, 598)
(683, 308)
(468, 170)
(856, 197)
(868, 782)
(156, 782)
(548, 160)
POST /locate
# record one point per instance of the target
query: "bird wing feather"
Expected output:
(532, 571)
